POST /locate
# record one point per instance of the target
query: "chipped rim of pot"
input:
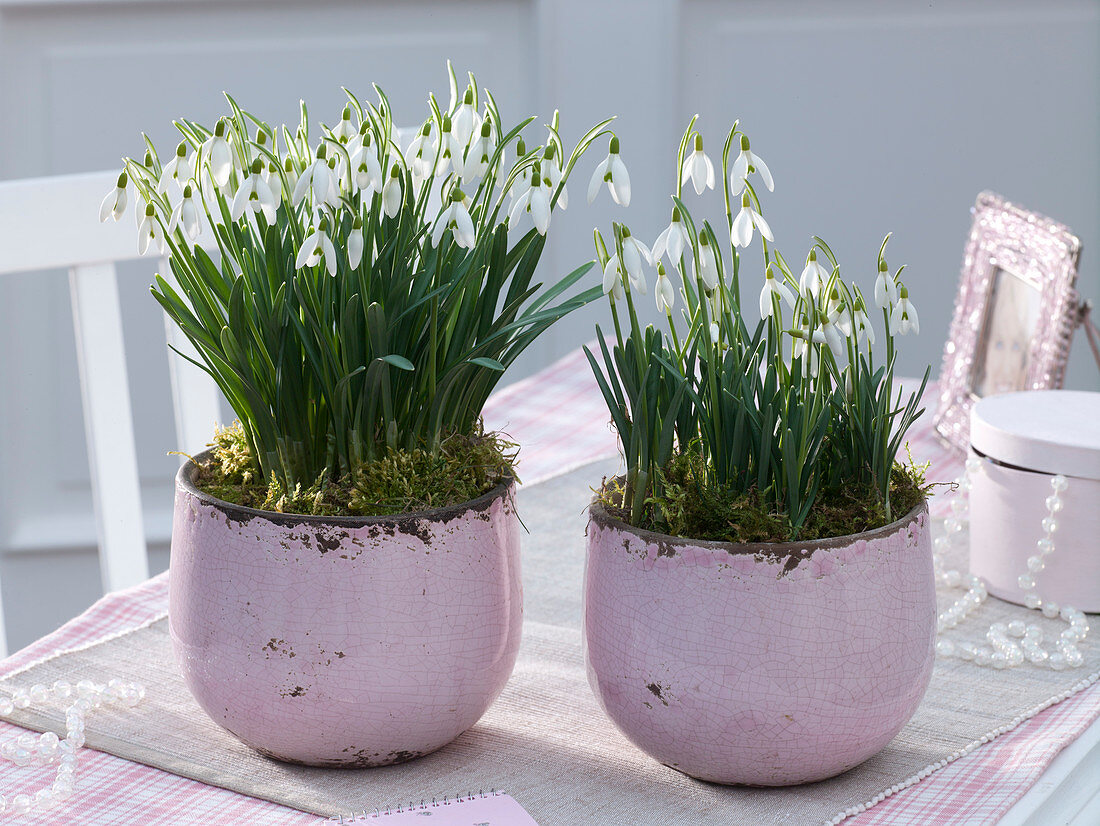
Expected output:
(185, 482)
(598, 514)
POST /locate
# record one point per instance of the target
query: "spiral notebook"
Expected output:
(491, 809)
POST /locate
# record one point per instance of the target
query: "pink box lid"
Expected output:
(1051, 431)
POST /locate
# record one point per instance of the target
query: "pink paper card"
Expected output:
(493, 809)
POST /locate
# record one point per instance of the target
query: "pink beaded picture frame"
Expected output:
(1015, 312)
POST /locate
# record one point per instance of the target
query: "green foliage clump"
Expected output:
(796, 417)
(341, 312)
(693, 505)
(399, 480)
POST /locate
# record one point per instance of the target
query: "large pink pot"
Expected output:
(345, 641)
(765, 665)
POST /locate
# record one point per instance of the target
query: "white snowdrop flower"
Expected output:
(773, 287)
(747, 218)
(456, 218)
(392, 192)
(255, 194)
(903, 318)
(179, 169)
(698, 168)
(708, 264)
(274, 181)
(420, 156)
(315, 247)
(466, 122)
(611, 170)
(520, 182)
(366, 171)
(886, 289)
(612, 278)
(355, 243)
(358, 139)
(151, 231)
(318, 178)
(476, 162)
(829, 333)
(535, 200)
(114, 205)
(187, 215)
(673, 241)
(801, 348)
(554, 174)
(834, 304)
(634, 253)
(664, 292)
(746, 163)
(216, 149)
(344, 130)
(813, 277)
(714, 332)
(451, 152)
(861, 322)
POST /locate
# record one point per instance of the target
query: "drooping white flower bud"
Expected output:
(903, 318)
(114, 204)
(773, 287)
(698, 168)
(456, 218)
(392, 192)
(886, 289)
(355, 243)
(708, 264)
(746, 163)
(747, 218)
(674, 241)
(664, 292)
(178, 170)
(613, 171)
(813, 276)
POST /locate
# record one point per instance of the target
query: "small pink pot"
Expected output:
(765, 665)
(347, 641)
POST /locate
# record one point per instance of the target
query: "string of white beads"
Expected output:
(29, 749)
(1012, 643)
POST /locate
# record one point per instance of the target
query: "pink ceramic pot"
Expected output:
(766, 665)
(345, 641)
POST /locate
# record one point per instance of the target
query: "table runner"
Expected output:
(545, 739)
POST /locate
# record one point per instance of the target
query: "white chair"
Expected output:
(69, 205)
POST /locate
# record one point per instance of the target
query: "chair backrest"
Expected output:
(52, 223)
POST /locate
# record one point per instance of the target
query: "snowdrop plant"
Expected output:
(349, 294)
(786, 410)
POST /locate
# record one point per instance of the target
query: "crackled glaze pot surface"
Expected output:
(763, 665)
(345, 641)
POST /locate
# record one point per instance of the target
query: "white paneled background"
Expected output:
(873, 116)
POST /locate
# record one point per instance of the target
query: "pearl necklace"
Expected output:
(1010, 644)
(44, 749)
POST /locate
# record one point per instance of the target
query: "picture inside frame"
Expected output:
(1003, 353)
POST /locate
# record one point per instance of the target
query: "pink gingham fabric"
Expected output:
(559, 418)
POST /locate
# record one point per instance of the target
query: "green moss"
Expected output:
(399, 481)
(691, 506)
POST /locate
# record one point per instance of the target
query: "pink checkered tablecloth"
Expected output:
(559, 418)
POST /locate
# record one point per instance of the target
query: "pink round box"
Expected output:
(1023, 441)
